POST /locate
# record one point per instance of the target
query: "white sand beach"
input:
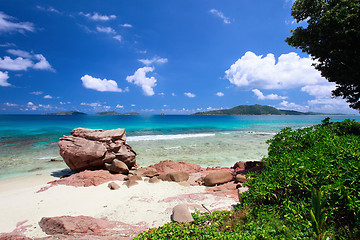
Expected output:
(146, 204)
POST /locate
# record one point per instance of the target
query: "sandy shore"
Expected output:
(146, 204)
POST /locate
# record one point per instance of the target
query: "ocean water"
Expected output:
(29, 142)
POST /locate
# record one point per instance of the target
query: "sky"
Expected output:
(153, 57)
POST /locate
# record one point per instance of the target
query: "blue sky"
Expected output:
(173, 57)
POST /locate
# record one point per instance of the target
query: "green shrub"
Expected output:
(325, 157)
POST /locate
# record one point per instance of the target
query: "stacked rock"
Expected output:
(96, 148)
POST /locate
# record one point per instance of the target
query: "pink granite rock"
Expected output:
(168, 166)
(177, 177)
(69, 225)
(218, 177)
(92, 148)
(86, 178)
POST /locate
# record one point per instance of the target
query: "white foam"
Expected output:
(48, 157)
(167, 137)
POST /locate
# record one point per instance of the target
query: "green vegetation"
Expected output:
(280, 203)
(67, 113)
(331, 36)
(253, 110)
(108, 113)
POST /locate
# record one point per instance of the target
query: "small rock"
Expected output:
(154, 180)
(117, 166)
(130, 183)
(218, 177)
(134, 178)
(185, 184)
(113, 186)
(177, 176)
(146, 172)
(181, 213)
(240, 178)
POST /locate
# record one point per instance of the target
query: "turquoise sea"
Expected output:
(29, 142)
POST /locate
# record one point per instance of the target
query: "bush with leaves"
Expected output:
(325, 157)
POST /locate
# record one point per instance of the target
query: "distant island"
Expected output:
(108, 113)
(67, 113)
(255, 110)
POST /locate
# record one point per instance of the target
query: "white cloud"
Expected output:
(119, 106)
(101, 85)
(108, 30)
(118, 37)
(293, 106)
(156, 59)
(189, 94)
(219, 94)
(30, 104)
(7, 45)
(94, 105)
(173, 94)
(161, 94)
(133, 105)
(139, 78)
(48, 97)
(220, 15)
(10, 104)
(24, 61)
(272, 96)
(43, 64)
(17, 64)
(3, 79)
(127, 25)
(37, 93)
(49, 9)
(7, 24)
(98, 17)
(290, 71)
(20, 53)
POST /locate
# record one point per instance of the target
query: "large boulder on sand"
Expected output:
(70, 225)
(92, 148)
(177, 177)
(217, 177)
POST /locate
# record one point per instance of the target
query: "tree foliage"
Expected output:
(331, 37)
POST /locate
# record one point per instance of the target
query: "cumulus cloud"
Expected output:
(24, 61)
(97, 17)
(101, 85)
(3, 79)
(17, 64)
(43, 64)
(48, 97)
(139, 78)
(119, 106)
(7, 24)
(271, 96)
(220, 15)
(148, 62)
(219, 94)
(290, 71)
(189, 94)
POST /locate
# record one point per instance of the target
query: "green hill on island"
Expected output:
(254, 110)
(108, 113)
(67, 113)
